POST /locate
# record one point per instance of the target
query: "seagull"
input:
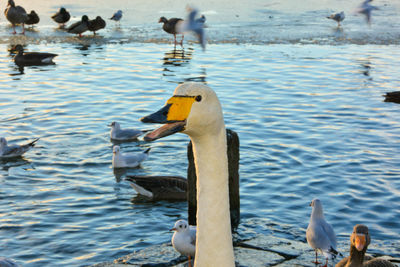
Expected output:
(117, 16)
(4, 262)
(194, 25)
(16, 15)
(184, 239)
(320, 234)
(202, 19)
(338, 17)
(32, 58)
(61, 17)
(14, 150)
(160, 187)
(119, 134)
(366, 9)
(120, 160)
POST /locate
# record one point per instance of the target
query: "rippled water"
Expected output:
(310, 117)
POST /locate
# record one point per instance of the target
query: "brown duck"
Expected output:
(16, 15)
(96, 24)
(33, 18)
(61, 17)
(359, 241)
(171, 26)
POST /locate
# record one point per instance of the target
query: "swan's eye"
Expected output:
(198, 98)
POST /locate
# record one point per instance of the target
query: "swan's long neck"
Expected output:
(214, 237)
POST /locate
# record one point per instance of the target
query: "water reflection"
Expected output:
(177, 58)
(6, 164)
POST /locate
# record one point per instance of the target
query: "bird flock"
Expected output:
(320, 234)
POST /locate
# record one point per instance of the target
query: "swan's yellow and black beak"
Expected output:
(173, 115)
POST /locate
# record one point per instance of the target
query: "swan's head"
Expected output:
(180, 226)
(194, 109)
(116, 149)
(360, 238)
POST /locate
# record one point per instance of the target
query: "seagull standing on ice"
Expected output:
(184, 239)
(338, 17)
(117, 16)
(320, 234)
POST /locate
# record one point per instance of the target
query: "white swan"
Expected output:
(195, 110)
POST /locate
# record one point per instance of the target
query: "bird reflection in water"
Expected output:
(177, 57)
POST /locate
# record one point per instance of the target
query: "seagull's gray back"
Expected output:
(126, 133)
(320, 235)
(192, 230)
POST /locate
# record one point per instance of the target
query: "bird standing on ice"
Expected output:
(184, 239)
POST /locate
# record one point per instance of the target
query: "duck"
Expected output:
(33, 18)
(184, 239)
(96, 24)
(392, 97)
(171, 26)
(160, 187)
(61, 17)
(359, 241)
(118, 134)
(338, 17)
(195, 110)
(117, 16)
(32, 58)
(120, 160)
(320, 234)
(79, 27)
(16, 15)
(10, 151)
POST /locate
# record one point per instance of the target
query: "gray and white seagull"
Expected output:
(10, 151)
(119, 134)
(320, 235)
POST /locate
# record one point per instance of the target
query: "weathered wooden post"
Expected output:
(233, 165)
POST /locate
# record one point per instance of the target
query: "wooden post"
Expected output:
(233, 166)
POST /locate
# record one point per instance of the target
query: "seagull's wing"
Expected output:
(128, 134)
(17, 150)
(192, 230)
(135, 159)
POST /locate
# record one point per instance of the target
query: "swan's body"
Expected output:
(121, 160)
(160, 187)
(359, 241)
(320, 234)
(184, 239)
(196, 111)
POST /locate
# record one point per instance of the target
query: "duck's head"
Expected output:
(360, 238)
(85, 18)
(162, 20)
(194, 109)
(180, 226)
(63, 10)
(11, 3)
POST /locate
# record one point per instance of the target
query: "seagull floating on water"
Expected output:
(10, 151)
(359, 241)
(32, 58)
(366, 9)
(61, 17)
(184, 239)
(119, 134)
(320, 234)
(124, 160)
(16, 15)
(117, 16)
(338, 17)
